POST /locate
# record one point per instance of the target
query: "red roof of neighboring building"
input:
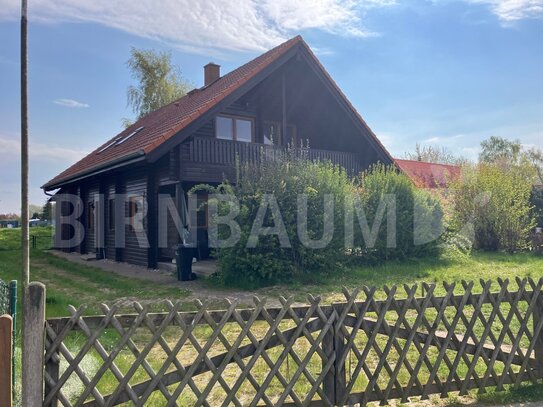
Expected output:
(429, 175)
(159, 126)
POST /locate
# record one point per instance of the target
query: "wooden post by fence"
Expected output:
(538, 314)
(339, 368)
(6, 353)
(329, 381)
(333, 345)
(33, 344)
(52, 367)
(13, 312)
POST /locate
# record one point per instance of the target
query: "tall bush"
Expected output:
(536, 201)
(414, 221)
(494, 204)
(418, 216)
(285, 179)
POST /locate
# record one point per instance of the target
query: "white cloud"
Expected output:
(10, 148)
(442, 140)
(246, 25)
(432, 140)
(69, 103)
(335, 16)
(512, 10)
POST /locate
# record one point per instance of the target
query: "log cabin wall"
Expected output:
(91, 214)
(109, 217)
(135, 188)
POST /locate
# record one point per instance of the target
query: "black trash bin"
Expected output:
(183, 260)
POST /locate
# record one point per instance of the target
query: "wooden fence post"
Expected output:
(33, 344)
(333, 344)
(6, 353)
(53, 369)
(13, 312)
(340, 373)
(329, 381)
(538, 314)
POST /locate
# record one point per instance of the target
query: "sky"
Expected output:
(448, 73)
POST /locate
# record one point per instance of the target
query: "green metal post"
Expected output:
(13, 312)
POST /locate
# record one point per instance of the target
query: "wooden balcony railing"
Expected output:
(212, 151)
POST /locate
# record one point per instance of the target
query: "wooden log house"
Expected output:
(281, 98)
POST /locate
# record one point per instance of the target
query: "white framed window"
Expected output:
(234, 128)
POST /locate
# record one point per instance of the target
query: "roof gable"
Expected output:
(157, 129)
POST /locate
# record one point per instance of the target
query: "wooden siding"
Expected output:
(207, 130)
(91, 196)
(110, 233)
(167, 168)
(171, 230)
(136, 186)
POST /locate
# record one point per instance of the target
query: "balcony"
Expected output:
(207, 159)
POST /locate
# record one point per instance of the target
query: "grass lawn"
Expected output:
(69, 283)
(73, 284)
(486, 266)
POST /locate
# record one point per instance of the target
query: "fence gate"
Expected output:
(375, 346)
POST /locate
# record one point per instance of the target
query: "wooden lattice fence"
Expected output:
(375, 346)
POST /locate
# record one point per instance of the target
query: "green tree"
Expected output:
(499, 150)
(47, 211)
(535, 157)
(434, 154)
(35, 210)
(494, 203)
(159, 82)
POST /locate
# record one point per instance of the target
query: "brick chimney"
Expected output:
(212, 72)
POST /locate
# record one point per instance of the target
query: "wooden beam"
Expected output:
(6, 353)
(119, 214)
(82, 193)
(152, 218)
(33, 344)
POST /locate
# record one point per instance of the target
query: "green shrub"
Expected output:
(285, 179)
(418, 216)
(493, 203)
(252, 262)
(536, 200)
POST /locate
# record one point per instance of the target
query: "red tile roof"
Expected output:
(167, 121)
(429, 175)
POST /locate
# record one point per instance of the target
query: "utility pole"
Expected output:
(31, 386)
(24, 146)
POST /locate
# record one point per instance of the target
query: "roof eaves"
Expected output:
(122, 161)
